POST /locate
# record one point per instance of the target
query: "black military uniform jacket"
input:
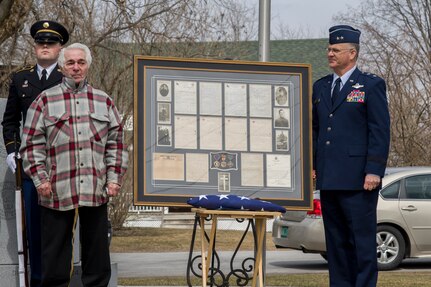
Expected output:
(24, 88)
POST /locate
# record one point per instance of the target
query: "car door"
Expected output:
(415, 207)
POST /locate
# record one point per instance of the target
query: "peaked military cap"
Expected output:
(343, 34)
(49, 32)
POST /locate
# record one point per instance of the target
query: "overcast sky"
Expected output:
(313, 17)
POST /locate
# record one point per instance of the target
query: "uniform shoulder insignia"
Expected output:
(371, 76)
(325, 78)
(26, 68)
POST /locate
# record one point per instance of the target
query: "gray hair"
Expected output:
(356, 47)
(88, 58)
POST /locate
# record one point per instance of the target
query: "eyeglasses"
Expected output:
(337, 51)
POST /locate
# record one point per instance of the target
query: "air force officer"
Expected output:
(350, 149)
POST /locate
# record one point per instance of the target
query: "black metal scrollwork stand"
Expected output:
(216, 277)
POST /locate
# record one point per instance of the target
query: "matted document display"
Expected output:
(221, 127)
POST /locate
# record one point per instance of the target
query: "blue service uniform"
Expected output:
(350, 139)
(24, 88)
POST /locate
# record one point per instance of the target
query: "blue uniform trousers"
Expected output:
(32, 221)
(350, 220)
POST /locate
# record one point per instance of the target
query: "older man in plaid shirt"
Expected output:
(73, 150)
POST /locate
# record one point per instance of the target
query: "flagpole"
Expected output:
(264, 29)
(264, 56)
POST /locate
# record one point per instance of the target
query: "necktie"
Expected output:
(43, 78)
(336, 90)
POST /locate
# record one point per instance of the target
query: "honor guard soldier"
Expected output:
(351, 133)
(26, 84)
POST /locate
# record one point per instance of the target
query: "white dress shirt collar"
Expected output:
(48, 70)
(344, 78)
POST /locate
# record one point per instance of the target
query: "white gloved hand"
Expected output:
(11, 163)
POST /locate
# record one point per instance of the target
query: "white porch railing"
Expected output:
(148, 209)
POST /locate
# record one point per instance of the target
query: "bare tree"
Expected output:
(283, 31)
(117, 30)
(396, 44)
(12, 16)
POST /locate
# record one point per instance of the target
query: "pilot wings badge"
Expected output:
(357, 86)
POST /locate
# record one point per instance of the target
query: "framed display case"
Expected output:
(221, 127)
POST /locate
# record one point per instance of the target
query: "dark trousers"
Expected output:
(350, 221)
(32, 222)
(57, 246)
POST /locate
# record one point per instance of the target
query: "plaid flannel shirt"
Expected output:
(73, 138)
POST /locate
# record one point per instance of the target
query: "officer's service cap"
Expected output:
(343, 34)
(49, 32)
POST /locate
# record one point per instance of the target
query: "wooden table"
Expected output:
(256, 218)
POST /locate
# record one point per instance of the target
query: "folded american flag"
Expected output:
(233, 202)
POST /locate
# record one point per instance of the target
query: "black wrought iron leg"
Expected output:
(192, 243)
(212, 259)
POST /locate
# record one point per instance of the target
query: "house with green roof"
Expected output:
(303, 51)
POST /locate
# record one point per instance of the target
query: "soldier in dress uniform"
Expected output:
(26, 84)
(281, 121)
(351, 133)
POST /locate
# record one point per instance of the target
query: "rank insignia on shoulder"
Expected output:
(26, 68)
(357, 86)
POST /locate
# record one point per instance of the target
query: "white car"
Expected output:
(403, 220)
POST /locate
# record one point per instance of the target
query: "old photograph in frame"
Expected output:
(221, 127)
